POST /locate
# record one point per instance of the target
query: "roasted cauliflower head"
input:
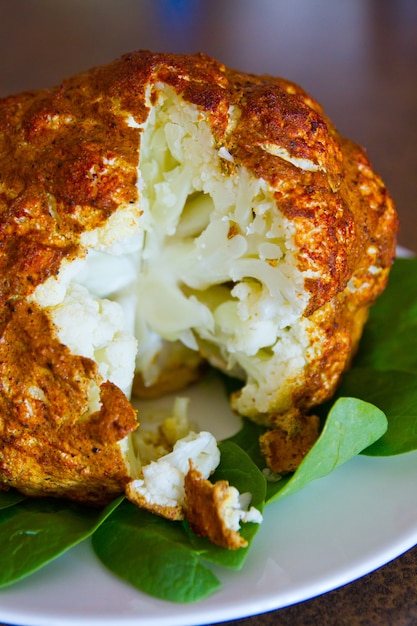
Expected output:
(158, 214)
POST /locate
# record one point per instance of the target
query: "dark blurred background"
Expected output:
(358, 57)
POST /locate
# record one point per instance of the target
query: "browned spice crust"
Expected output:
(49, 443)
(206, 510)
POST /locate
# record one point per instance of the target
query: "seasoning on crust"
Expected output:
(166, 205)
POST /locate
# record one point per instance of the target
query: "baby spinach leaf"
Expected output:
(154, 555)
(10, 498)
(34, 532)
(385, 369)
(389, 340)
(248, 440)
(395, 392)
(351, 426)
(237, 467)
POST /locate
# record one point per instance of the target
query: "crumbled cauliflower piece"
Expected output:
(239, 511)
(161, 488)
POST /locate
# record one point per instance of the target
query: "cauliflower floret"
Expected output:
(120, 235)
(94, 328)
(239, 510)
(53, 290)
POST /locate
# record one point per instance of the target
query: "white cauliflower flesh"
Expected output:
(218, 253)
(238, 510)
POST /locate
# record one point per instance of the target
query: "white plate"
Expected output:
(334, 531)
(337, 529)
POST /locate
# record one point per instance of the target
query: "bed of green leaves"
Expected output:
(373, 413)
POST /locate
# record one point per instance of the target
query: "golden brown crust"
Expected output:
(205, 510)
(205, 507)
(286, 445)
(49, 443)
(57, 177)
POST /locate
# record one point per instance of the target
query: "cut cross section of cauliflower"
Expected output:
(161, 213)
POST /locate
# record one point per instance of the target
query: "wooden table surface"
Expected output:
(358, 57)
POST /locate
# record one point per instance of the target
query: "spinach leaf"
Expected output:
(385, 369)
(389, 340)
(34, 532)
(395, 392)
(10, 498)
(237, 467)
(248, 440)
(350, 425)
(154, 555)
